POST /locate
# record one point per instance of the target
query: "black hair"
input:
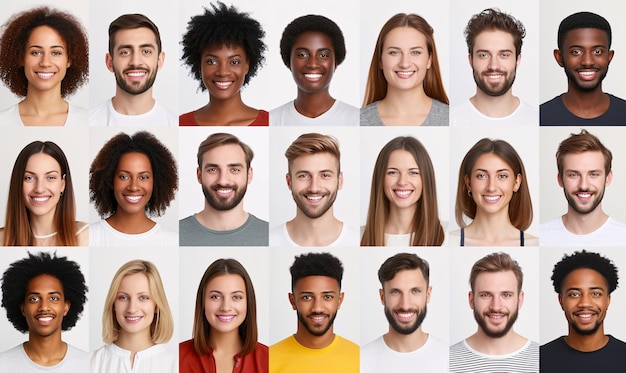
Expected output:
(585, 259)
(316, 264)
(582, 20)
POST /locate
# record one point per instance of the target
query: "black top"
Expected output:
(558, 356)
(554, 113)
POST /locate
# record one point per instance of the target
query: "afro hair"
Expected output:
(316, 264)
(585, 259)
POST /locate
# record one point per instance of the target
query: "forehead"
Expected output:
(226, 283)
(401, 156)
(135, 36)
(315, 162)
(46, 35)
(224, 48)
(226, 154)
(407, 278)
(313, 40)
(44, 284)
(489, 161)
(134, 159)
(403, 36)
(584, 278)
(586, 37)
(316, 284)
(494, 40)
(42, 161)
(496, 282)
(590, 160)
(134, 281)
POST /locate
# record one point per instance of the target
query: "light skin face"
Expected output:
(403, 181)
(584, 299)
(405, 297)
(494, 62)
(134, 307)
(44, 306)
(405, 58)
(312, 62)
(135, 60)
(316, 300)
(585, 58)
(224, 177)
(133, 183)
(314, 180)
(492, 183)
(584, 180)
(46, 60)
(496, 302)
(225, 303)
(224, 68)
(42, 185)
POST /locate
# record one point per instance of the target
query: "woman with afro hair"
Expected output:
(132, 178)
(223, 49)
(44, 58)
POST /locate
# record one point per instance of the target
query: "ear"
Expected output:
(470, 298)
(66, 307)
(559, 179)
(340, 181)
(470, 60)
(199, 175)
(63, 183)
(340, 300)
(467, 183)
(430, 289)
(609, 178)
(558, 57)
(518, 182)
(108, 60)
(292, 300)
(22, 309)
(161, 60)
(561, 301)
(249, 175)
(288, 178)
(520, 300)
(611, 52)
(381, 293)
(430, 61)
(519, 59)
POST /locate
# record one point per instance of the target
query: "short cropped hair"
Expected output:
(490, 20)
(313, 143)
(162, 327)
(314, 23)
(223, 25)
(102, 172)
(583, 20)
(402, 262)
(15, 34)
(16, 278)
(316, 264)
(588, 260)
(129, 22)
(580, 143)
(219, 139)
(496, 262)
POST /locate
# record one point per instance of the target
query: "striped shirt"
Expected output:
(464, 359)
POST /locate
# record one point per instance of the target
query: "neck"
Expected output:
(495, 106)
(228, 343)
(320, 231)
(313, 105)
(405, 343)
(406, 101)
(506, 344)
(43, 225)
(400, 221)
(130, 223)
(222, 220)
(129, 104)
(311, 341)
(491, 228)
(586, 104)
(46, 351)
(584, 223)
(587, 343)
(43, 102)
(134, 342)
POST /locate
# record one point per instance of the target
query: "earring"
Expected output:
(61, 194)
(469, 194)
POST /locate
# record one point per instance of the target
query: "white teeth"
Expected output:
(586, 73)
(133, 318)
(318, 318)
(312, 76)
(224, 191)
(584, 195)
(492, 198)
(226, 318)
(45, 75)
(405, 315)
(403, 193)
(223, 84)
(40, 199)
(314, 198)
(585, 316)
(137, 74)
(405, 74)
(45, 319)
(133, 198)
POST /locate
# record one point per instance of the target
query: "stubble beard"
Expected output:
(132, 88)
(316, 332)
(487, 88)
(421, 315)
(221, 204)
(480, 320)
(581, 210)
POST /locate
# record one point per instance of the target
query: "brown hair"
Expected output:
(493, 19)
(132, 21)
(402, 262)
(580, 143)
(376, 87)
(219, 139)
(312, 143)
(497, 262)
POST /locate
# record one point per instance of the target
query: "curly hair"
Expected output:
(585, 259)
(15, 34)
(582, 20)
(16, 278)
(315, 23)
(493, 19)
(316, 264)
(102, 171)
(223, 25)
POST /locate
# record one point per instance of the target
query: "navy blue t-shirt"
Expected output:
(554, 113)
(558, 356)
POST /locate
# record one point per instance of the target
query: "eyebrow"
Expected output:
(45, 173)
(39, 293)
(130, 46)
(140, 172)
(488, 51)
(216, 56)
(51, 47)
(209, 165)
(500, 170)
(307, 49)
(589, 288)
(394, 47)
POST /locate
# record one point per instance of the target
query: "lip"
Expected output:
(136, 74)
(587, 74)
(585, 317)
(496, 317)
(405, 74)
(224, 192)
(494, 75)
(133, 198)
(583, 196)
(318, 319)
(223, 85)
(40, 200)
(314, 198)
(403, 193)
(133, 319)
(405, 316)
(313, 77)
(492, 199)
(225, 318)
(45, 75)
(45, 319)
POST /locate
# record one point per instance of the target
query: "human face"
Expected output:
(494, 62)
(132, 183)
(405, 58)
(403, 181)
(134, 307)
(312, 62)
(135, 60)
(584, 299)
(44, 306)
(43, 185)
(224, 68)
(496, 302)
(405, 297)
(585, 57)
(46, 60)
(316, 300)
(584, 180)
(224, 177)
(225, 303)
(492, 183)
(314, 180)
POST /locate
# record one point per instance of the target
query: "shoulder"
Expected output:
(99, 114)
(82, 233)
(617, 101)
(369, 115)
(187, 119)
(10, 117)
(262, 119)
(256, 221)
(76, 116)
(553, 103)
(552, 346)
(186, 349)
(439, 114)
(277, 114)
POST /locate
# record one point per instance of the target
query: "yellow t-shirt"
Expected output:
(288, 356)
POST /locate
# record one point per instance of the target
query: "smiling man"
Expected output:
(584, 282)
(584, 52)
(584, 172)
(316, 297)
(494, 41)
(224, 172)
(405, 293)
(496, 297)
(44, 295)
(135, 56)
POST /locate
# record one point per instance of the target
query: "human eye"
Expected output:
(237, 297)
(303, 176)
(507, 295)
(52, 178)
(35, 53)
(394, 52)
(55, 298)
(307, 297)
(327, 175)
(235, 62)
(56, 53)
(395, 291)
(573, 294)
(392, 172)
(324, 55)
(33, 299)
(576, 52)
(414, 172)
(416, 291)
(146, 52)
(416, 52)
(122, 297)
(572, 175)
(144, 297)
(144, 177)
(302, 55)
(503, 176)
(481, 175)
(328, 297)
(598, 51)
(505, 54)
(29, 178)
(235, 170)
(215, 297)
(483, 55)
(212, 170)
(484, 295)
(124, 177)
(596, 174)
(211, 61)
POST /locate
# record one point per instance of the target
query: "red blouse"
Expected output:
(190, 362)
(187, 119)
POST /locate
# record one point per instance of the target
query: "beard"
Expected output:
(406, 330)
(135, 88)
(591, 331)
(495, 333)
(224, 204)
(571, 77)
(584, 209)
(312, 212)
(316, 331)
(494, 90)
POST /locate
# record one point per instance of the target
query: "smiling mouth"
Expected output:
(223, 85)
(318, 319)
(314, 198)
(45, 76)
(133, 319)
(45, 319)
(133, 199)
(405, 74)
(225, 318)
(313, 77)
(403, 193)
(405, 316)
(40, 200)
(492, 199)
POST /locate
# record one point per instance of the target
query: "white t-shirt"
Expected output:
(76, 117)
(105, 115)
(102, 234)
(340, 114)
(467, 115)
(349, 237)
(432, 357)
(16, 360)
(112, 358)
(554, 233)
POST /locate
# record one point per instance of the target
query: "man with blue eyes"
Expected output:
(584, 282)
(584, 52)
(44, 295)
(584, 172)
(496, 297)
(405, 293)
(224, 172)
(494, 41)
(316, 297)
(135, 56)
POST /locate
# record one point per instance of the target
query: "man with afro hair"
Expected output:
(584, 282)
(44, 295)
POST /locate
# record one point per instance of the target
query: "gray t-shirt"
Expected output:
(254, 232)
(438, 116)
(16, 360)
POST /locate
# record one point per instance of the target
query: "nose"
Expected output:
(314, 184)
(223, 178)
(135, 58)
(225, 304)
(39, 186)
(405, 60)
(405, 302)
(43, 304)
(45, 59)
(493, 63)
(223, 69)
(402, 179)
(583, 185)
(491, 184)
(317, 305)
(587, 59)
(133, 184)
